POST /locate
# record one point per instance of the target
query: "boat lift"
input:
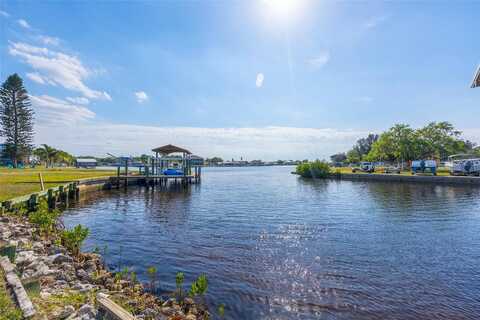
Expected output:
(464, 165)
(423, 165)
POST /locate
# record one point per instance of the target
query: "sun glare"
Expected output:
(284, 10)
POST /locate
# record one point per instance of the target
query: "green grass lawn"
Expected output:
(19, 182)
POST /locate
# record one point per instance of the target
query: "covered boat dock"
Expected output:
(170, 164)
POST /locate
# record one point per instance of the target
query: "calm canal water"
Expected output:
(275, 246)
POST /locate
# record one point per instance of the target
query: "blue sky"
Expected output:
(240, 78)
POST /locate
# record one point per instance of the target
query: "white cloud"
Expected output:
(57, 68)
(46, 40)
(36, 77)
(259, 80)
(53, 111)
(375, 22)
(269, 143)
(23, 23)
(141, 96)
(4, 14)
(320, 60)
(78, 100)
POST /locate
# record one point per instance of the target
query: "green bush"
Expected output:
(316, 169)
(303, 169)
(73, 239)
(199, 287)
(44, 218)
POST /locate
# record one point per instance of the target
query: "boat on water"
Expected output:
(173, 172)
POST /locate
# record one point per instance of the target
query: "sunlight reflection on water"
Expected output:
(278, 247)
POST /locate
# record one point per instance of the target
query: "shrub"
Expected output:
(303, 169)
(221, 310)
(199, 286)
(44, 218)
(316, 169)
(73, 239)
(179, 278)
(133, 277)
(152, 274)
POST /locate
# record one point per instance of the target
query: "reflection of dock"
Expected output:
(153, 180)
(162, 176)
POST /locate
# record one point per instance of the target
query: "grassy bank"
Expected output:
(18, 182)
(8, 310)
(321, 169)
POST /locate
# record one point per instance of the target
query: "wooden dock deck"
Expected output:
(162, 176)
(155, 180)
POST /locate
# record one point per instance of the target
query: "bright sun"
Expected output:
(284, 10)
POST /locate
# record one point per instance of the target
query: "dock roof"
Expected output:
(476, 79)
(167, 149)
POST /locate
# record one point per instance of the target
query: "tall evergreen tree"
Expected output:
(16, 118)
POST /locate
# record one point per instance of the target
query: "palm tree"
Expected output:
(46, 154)
(40, 154)
(64, 157)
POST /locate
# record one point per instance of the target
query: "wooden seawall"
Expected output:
(63, 194)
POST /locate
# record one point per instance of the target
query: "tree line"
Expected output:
(16, 127)
(402, 143)
(50, 156)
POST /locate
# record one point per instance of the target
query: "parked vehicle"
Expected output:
(464, 165)
(423, 165)
(392, 169)
(365, 167)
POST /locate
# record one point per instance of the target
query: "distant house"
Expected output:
(4, 160)
(86, 163)
(256, 163)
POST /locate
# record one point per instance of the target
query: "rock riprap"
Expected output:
(68, 285)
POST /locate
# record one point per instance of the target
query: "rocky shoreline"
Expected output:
(63, 286)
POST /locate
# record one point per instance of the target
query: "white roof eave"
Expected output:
(476, 79)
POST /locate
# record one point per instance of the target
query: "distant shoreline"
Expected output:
(381, 177)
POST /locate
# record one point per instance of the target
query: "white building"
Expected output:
(86, 163)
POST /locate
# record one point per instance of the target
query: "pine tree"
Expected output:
(16, 118)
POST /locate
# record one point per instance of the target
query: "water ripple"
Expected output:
(278, 247)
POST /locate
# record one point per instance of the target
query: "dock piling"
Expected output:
(51, 199)
(32, 202)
